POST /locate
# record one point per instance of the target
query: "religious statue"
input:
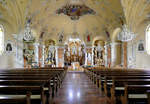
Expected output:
(60, 37)
(88, 38)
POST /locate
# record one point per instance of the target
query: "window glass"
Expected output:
(1, 40)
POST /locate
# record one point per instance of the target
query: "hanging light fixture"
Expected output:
(27, 32)
(126, 35)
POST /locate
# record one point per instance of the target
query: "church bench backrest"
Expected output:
(118, 86)
(120, 78)
(44, 77)
(21, 90)
(135, 93)
(24, 82)
(148, 95)
(39, 68)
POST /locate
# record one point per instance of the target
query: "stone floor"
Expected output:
(78, 89)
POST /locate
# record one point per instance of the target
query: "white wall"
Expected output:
(15, 58)
(9, 61)
(142, 59)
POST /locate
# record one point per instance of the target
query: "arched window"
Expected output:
(148, 39)
(1, 39)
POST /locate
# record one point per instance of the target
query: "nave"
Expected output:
(78, 89)
(74, 51)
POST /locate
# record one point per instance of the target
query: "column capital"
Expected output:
(59, 47)
(36, 44)
(88, 47)
(115, 43)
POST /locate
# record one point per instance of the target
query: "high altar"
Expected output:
(74, 54)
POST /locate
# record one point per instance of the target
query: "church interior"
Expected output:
(74, 51)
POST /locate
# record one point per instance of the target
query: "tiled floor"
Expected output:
(78, 89)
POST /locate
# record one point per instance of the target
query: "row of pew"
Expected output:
(122, 86)
(30, 86)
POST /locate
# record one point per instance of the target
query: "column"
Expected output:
(43, 56)
(56, 56)
(36, 52)
(92, 56)
(60, 56)
(115, 54)
(125, 54)
(109, 55)
(41, 53)
(19, 50)
(88, 57)
(105, 56)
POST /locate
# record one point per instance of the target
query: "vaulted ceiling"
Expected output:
(137, 14)
(14, 14)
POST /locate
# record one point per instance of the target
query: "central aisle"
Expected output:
(78, 89)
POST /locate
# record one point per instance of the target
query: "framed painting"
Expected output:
(9, 48)
(140, 46)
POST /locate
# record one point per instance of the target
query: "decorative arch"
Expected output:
(98, 38)
(49, 42)
(115, 34)
(148, 39)
(1, 39)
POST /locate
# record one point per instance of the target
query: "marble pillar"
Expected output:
(109, 55)
(92, 55)
(88, 56)
(60, 56)
(41, 55)
(105, 55)
(36, 52)
(115, 54)
(125, 54)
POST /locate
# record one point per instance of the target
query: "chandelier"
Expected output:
(126, 35)
(28, 33)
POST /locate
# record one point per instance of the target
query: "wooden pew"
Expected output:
(117, 79)
(93, 73)
(135, 94)
(107, 78)
(148, 95)
(11, 77)
(18, 82)
(27, 91)
(118, 86)
(120, 80)
(51, 80)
